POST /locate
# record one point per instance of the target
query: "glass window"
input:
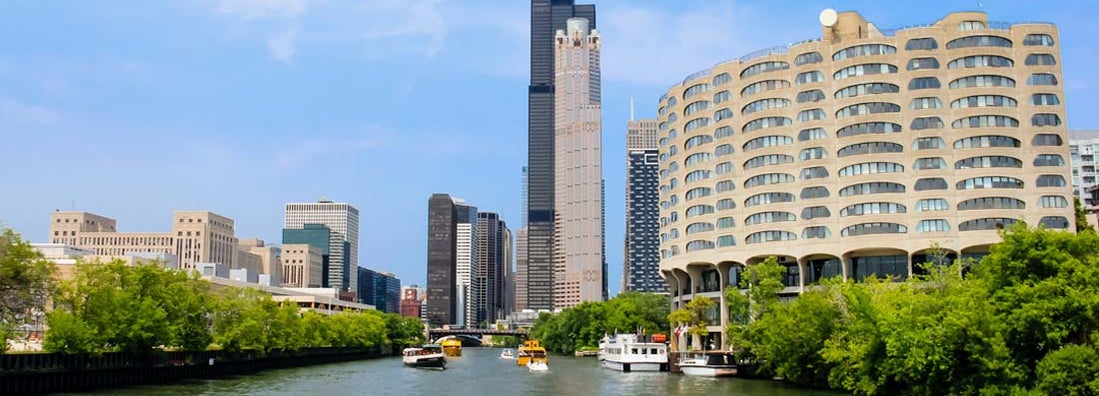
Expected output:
(696, 141)
(766, 122)
(726, 240)
(723, 168)
(815, 95)
(1058, 222)
(721, 79)
(768, 178)
(766, 160)
(1040, 60)
(986, 141)
(811, 115)
(863, 50)
(867, 128)
(809, 77)
(692, 246)
(725, 204)
(723, 150)
(1047, 139)
(763, 68)
(723, 132)
(1038, 39)
(817, 232)
(697, 158)
(814, 192)
(980, 61)
(808, 58)
(971, 25)
(725, 185)
(722, 96)
(989, 223)
(872, 208)
(1045, 119)
(769, 217)
(698, 192)
(868, 168)
(765, 104)
(812, 134)
(978, 41)
(978, 183)
(867, 89)
(697, 123)
(1041, 79)
(922, 64)
(873, 229)
(989, 161)
(933, 225)
(991, 203)
(768, 141)
(922, 123)
(768, 198)
(812, 153)
(1050, 181)
(982, 81)
(1049, 160)
(699, 210)
(770, 236)
(726, 222)
(985, 121)
(930, 183)
(1043, 99)
(932, 205)
(815, 172)
(926, 43)
(764, 86)
(870, 148)
(873, 188)
(929, 163)
(868, 108)
(924, 83)
(695, 90)
(983, 101)
(723, 114)
(695, 228)
(815, 212)
(1053, 201)
(866, 69)
(695, 107)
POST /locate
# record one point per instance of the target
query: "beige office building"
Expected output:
(196, 237)
(852, 154)
(578, 167)
(302, 266)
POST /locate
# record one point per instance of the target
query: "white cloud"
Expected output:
(14, 111)
(282, 46)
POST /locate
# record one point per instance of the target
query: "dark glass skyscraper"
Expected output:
(315, 235)
(491, 270)
(641, 270)
(546, 17)
(442, 224)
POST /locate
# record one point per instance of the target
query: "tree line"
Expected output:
(112, 306)
(581, 327)
(1024, 320)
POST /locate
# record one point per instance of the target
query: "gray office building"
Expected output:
(442, 225)
(491, 267)
(546, 17)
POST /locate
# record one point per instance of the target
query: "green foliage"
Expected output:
(25, 281)
(584, 325)
(1072, 370)
(1082, 224)
(693, 314)
(68, 334)
(1023, 321)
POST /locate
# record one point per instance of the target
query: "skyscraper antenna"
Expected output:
(631, 108)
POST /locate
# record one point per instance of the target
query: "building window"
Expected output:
(866, 69)
(922, 64)
(816, 172)
(868, 168)
(868, 108)
(985, 121)
(931, 183)
(763, 68)
(984, 101)
(863, 50)
(867, 89)
(872, 208)
(870, 148)
(814, 192)
(1040, 60)
(868, 128)
(980, 61)
(815, 95)
(978, 183)
(991, 203)
(1044, 100)
(723, 132)
(765, 104)
(932, 205)
(989, 161)
(811, 115)
(764, 86)
(1057, 222)
(721, 79)
(933, 225)
(770, 236)
(874, 229)
(926, 43)
(695, 107)
(1038, 39)
(768, 141)
(924, 83)
(1050, 181)
(768, 198)
(1046, 139)
(695, 90)
(809, 77)
(812, 134)
(978, 41)
(988, 223)
(808, 58)
(873, 188)
(1045, 119)
(697, 123)
(767, 160)
(929, 163)
(987, 80)
(815, 212)
(768, 178)
(1049, 160)
(986, 141)
(818, 232)
(812, 153)
(922, 123)
(1053, 201)
(1041, 79)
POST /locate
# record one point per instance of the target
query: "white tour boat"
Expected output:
(538, 366)
(627, 353)
(507, 354)
(709, 365)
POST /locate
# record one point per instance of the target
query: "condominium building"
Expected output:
(546, 18)
(342, 220)
(640, 271)
(493, 247)
(196, 237)
(579, 259)
(853, 154)
(468, 286)
(1084, 150)
(520, 270)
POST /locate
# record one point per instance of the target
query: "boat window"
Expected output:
(633, 351)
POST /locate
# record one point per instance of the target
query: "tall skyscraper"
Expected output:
(468, 284)
(442, 244)
(641, 264)
(521, 270)
(546, 17)
(493, 236)
(342, 220)
(579, 251)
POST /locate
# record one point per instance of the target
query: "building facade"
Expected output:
(520, 269)
(1084, 148)
(442, 244)
(546, 17)
(578, 208)
(342, 220)
(411, 300)
(493, 250)
(469, 286)
(318, 236)
(302, 265)
(641, 262)
(853, 154)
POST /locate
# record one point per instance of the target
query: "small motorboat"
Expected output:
(709, 365)
(538, 366)
(428, 356)
(507, 354)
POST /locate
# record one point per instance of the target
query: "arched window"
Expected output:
(769, 217)
(695, 107)
(1057, 222)
(868, 168)
(695, 228)
(763, 68)
(725, 185)
(808, 58)
(1038, 39)
(768, 178)
(867, 89)
(699, 245)
(695, 90)
(980, 61)
(1050, 181)
(1045, 119)
(765, 104)
(817, 232)
(921, 123)
(1041, 79)
(811, 115)
(697, 123)
(766, 122)
(726, 240)
(866, 69)
(697, 158)
(723, 132)
(989, 161)
(978, 41)
(764, 86)
(985, 121)
(1049, 160)
(723, 114)
(863, 50)
(767, 160)
(933, 225)
(932, 205)
(696, 141)
(872, 208)
(985, 182)
(929, 163)
(1043, 99)
(874, 229)
(697, 175)
(814, 172)
(726, 222)
(872, 188)
(988, 223)
(1047, 139)
(768, 141)
(812, 134)
(722, 96)
(986, 80)
(984, 101)
(984, 203)
(699, 210)
(815, 95)
(931, 183)
(698, 192)
(814, 192)
(812, 153)
(868, 108)
(870, 148)
(770, 236)
(721, 79)
(922, 64)
(768, 198)
(926, 43)
(924, 83)
(1040, 60)
(986, 141)
(722, 150)
(815, 212)
(1053, 201)
(867, 128)
(809, 77)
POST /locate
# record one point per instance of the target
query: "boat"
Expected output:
(507, 354)
(720, 364)
(428, 356)
(538, 366)
(628, 352)
(452, 347)
(531, 351)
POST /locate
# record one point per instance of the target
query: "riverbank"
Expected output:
(47, 372)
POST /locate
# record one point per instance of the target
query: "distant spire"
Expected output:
(631, 107)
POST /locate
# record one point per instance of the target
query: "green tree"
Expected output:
(404, 331)
(1072, 370)
(25, 280)
(583, 326)
(1082, 224)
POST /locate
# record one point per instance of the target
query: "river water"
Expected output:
(479, 372)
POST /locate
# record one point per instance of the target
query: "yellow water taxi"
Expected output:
(452, 347)
(531, 351)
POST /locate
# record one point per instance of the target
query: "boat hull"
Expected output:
(635, 366)
(708, 371)
(427, 362)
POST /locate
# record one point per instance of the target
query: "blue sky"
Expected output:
(134, 109)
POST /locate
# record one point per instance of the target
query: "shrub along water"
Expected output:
(582, 326)
(1024, 320)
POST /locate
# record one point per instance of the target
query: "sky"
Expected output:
(135, 109)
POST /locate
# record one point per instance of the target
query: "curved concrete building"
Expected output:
(852, 154)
